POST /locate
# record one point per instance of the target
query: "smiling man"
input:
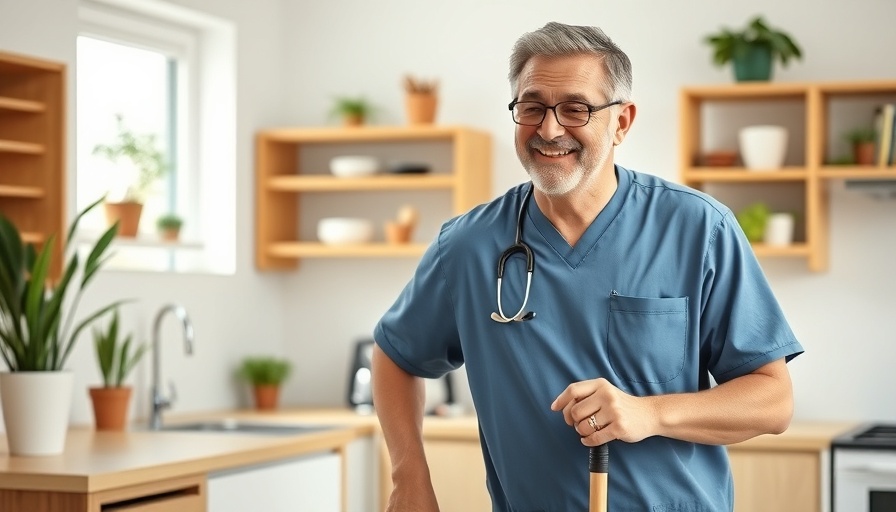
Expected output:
(619, 299)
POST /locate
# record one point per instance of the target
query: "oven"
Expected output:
(863, 470)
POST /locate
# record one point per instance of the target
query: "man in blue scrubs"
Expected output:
(648, 323)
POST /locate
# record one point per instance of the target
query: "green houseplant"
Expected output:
(354, 111)
(141, 151)
(863, 142)
(753, 219)
(38, 331)
(169, 226)
(265, 374)
(116, 356)
(753, 49)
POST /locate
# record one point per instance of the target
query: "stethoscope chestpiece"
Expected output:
(518, 247)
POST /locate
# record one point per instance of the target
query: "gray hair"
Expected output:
(556, 39)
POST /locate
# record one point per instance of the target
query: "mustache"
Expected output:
(536, 142)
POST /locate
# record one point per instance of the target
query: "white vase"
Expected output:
(36, 408)
(763, 147)
(779, 229)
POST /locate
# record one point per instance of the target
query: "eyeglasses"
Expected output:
(571, 114)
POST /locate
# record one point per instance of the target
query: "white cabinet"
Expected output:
(306, 484)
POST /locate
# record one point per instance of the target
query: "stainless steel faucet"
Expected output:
(159, 402)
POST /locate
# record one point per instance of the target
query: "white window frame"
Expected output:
(206, 123)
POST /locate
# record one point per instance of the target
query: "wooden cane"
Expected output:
(599, 467)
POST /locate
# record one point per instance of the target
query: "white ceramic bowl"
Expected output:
(351, 166)
(344, 230)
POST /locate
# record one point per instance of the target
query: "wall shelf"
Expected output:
(32, 142)
(817, 114)
(284, 178)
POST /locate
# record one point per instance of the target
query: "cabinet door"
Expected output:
(458, 475)
(776, 481)
(306, 484)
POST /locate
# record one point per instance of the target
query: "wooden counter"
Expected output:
(107, 465)
(98, 468)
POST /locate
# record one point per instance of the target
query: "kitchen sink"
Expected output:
(246, 427)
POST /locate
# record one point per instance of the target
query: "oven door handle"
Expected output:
(878, 469)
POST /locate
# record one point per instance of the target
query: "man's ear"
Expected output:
(624, 122)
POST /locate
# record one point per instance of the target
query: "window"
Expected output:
(147, 68)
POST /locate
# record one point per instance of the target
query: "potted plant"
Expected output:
(753, 49)
(265, 375)
(116, 357)
(354, 111)
(141, 152)
(753, 219)
(169, 226)
(37, 333)
(421, 100)
(863, 141)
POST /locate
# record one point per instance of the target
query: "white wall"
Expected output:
(295, 56)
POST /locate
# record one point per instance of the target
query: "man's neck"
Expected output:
(572, 213)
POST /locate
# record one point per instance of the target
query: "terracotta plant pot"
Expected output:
(128, 216)
(266, 396)
(421, 107)
(170, 234)
(110, 407)
(864, 153)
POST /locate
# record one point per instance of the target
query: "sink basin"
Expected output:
(246, 427)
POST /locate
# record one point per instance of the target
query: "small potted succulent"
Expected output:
(169, 226)
(265, 374)
(753, 49)
(863, 141)
(116, 355)
(354, 111)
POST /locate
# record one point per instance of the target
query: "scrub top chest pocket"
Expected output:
(647, 337)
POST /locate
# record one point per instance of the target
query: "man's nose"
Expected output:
(550, 128)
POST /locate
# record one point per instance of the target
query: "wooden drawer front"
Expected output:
(776, 481)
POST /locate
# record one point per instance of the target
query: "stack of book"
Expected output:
(884, 120)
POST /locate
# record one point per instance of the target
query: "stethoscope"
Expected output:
(518, 246)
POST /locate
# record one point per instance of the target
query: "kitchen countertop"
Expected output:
(97, 461)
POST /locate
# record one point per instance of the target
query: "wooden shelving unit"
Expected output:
(281, 181)
(32, 142)
(810, 110)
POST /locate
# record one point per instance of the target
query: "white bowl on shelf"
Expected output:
(350, 166)
(344, 230)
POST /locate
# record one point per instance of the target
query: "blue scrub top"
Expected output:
(661, 291)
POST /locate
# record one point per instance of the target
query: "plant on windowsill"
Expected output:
(169, 226)
(265, 374)
(116, 355)
(38, 331)
(137, 153)
(354, 111)
(753, 50)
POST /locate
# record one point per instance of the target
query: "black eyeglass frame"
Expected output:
(591, 109)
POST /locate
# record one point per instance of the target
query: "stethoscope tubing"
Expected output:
(518, 247)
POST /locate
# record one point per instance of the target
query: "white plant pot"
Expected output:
(36, 408)
(763, 147)
(779, 229)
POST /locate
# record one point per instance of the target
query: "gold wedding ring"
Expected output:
(593, 422)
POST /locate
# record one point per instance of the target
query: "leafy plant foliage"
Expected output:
(116, 357)
(727, 44)
(36, 329)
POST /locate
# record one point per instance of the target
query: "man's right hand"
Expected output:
(412, 498)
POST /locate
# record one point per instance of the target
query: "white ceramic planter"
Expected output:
(779, 229)
(36, 408)
(763, 147)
